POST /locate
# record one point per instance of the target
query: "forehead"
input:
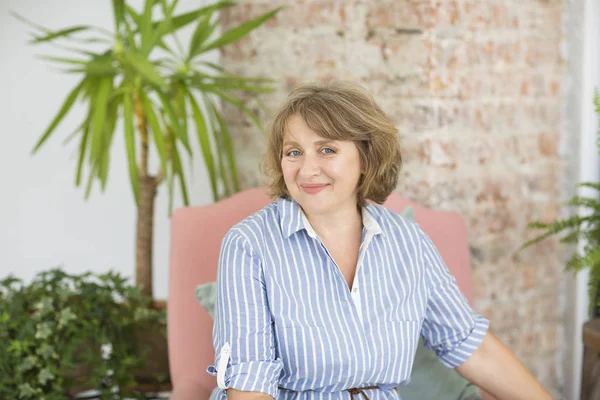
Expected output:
(297, 129)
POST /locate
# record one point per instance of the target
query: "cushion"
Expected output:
(430, 379)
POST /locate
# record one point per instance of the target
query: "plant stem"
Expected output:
(145, 217)
(144, 234)
(142, 127)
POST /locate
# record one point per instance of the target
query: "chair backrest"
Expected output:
(196, 234)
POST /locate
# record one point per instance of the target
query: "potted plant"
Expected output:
(583, 228)
(161, 94)
(63, 333)
(153, 88)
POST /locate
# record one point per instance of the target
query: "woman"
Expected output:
(324, 295)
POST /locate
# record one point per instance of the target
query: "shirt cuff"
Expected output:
(460, 353)
(252, 376)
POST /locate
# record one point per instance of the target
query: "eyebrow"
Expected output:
(318, 142)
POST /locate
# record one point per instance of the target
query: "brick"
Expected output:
(529, 276)
(549, 143)
(540, 51)
(447, 13)
(438, 153)
(407, 14)
(486, 51)
(392, 84)
(476, 15)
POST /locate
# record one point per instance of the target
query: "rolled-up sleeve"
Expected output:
(450, 327)
(245, 355)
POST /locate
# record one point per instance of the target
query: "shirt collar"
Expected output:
(292, 219)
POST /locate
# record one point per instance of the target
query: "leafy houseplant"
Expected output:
(53, 331)
(586, 228)
(159, 92)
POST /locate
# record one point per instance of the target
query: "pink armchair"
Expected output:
(196, 235)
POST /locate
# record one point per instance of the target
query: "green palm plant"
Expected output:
(583, 228)
(160, 93)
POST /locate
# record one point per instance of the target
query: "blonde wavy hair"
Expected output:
(340, 111)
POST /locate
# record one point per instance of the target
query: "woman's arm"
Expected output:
(495, 369)
(233, 394)
(243, 335)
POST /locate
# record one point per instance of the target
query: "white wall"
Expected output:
(44, 220)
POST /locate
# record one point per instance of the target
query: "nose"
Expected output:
(310, 166)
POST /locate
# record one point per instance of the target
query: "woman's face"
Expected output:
(320, 174)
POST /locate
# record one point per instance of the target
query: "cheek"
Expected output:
(287, 169)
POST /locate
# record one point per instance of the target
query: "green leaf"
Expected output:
(589, 260)
(178, 170)
(30, 23)
(182, 20)
(145, 25)
(592, 185)
(64, 60)
(553, 228)
(180, 108)
(118, 12)
(237, 103)
(109, 126)
(145, 68)
(131, 43)
(159, 30)
(171, 176)
(174, 121)
(157, 133)
(59, 34)
(99, 112)
(96, 68)
(134, 15)
(204, 30)
(128, 118)
(235, 34)
(82, 151)
(218, 136)
(216, 67)
(64, 109)
(228, 147)
(587, 202)
(204, 140)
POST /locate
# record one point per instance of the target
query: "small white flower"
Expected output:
(106, 350)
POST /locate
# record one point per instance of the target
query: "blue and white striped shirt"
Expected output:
(285, 317)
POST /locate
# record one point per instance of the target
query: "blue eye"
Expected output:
(328, 150)
(293, 153)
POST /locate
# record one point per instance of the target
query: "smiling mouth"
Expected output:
(313, 188)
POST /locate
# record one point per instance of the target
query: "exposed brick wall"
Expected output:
(474, 88)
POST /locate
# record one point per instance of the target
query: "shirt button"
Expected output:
(355, 290)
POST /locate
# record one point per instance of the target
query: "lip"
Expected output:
(313, 188)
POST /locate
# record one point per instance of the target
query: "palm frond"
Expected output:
(553, 228)
(586, 202)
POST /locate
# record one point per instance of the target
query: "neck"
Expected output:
(344, 221)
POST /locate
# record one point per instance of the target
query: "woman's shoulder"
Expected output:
(252, 228)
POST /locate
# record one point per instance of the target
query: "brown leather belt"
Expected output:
(355, 391)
